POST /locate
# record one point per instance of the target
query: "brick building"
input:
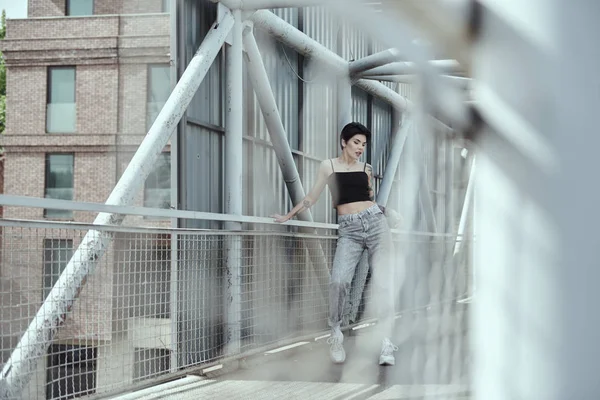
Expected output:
(85, 79)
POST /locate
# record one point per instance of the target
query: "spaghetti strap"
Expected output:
(331, 161)
(365, 167)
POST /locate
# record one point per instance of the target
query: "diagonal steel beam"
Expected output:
(268, 105)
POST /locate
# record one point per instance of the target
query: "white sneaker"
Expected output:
(336, 350)
(387, 353)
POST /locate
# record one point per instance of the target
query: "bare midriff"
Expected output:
(353, 208)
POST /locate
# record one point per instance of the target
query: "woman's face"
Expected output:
(355, 146)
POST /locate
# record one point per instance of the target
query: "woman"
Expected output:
(362, 226)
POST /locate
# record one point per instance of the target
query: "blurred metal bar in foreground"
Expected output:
(535, 326)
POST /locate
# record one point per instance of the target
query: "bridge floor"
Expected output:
(424, 369)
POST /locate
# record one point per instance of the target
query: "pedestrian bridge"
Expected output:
(161, 316)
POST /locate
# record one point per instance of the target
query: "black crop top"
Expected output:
(348, 187)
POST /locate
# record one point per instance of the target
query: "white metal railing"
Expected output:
(155, 307)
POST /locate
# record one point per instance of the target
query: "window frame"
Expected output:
(49, 94)
(149, 68)
(46, 178)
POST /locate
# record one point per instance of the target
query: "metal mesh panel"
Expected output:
(144, 314)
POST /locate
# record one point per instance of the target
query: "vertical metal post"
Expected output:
(174, 275)
(233, 181)
(424, 193)
(535, 331)
(450, 216)
(53, 312)
(466, 209)
(466, 214)
(393, 160)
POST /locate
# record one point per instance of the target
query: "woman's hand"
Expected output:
(280, 218)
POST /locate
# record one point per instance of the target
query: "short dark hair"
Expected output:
(354, 128)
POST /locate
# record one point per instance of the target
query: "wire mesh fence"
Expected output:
(158, 302)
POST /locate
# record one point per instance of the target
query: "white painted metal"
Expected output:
(173, 290)
(234, 194)
(393, 160)
(383, 92)
(309, 47)
(535, 327)
(466, 210)
(374, 60)
(36, 202)
(38, 336)
(460, 81)
(405, 68)
(268, 106)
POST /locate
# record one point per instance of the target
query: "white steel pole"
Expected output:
(268, 106)
(234, 94)
(393, 160)
(53, 312)
(174, 273)
(405, 68)
(309, 47)
(466, 210)
(374, 60)
(459, 81)
(383, 92)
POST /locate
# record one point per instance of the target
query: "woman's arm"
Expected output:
(312, 196)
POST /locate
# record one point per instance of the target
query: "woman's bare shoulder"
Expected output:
(326, 166)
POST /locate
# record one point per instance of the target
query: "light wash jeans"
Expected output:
(367, 231)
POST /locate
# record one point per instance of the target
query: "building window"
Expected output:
(157, 190)
(166, 6)
(79, 8)
(59, 182)
(71, 371)
(61, 110)
(57, 253)
(159, 89)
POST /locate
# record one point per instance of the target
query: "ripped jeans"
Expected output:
(368, 231)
